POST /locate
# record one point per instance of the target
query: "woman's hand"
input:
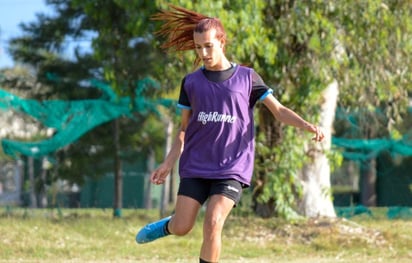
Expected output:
(319, 135)
(159, 175)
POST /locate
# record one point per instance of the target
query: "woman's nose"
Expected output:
(203, 51)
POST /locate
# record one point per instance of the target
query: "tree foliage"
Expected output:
(298, 47)
(374, 77)
(121, 54)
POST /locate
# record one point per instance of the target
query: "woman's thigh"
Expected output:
(217, 210)
(184, 218)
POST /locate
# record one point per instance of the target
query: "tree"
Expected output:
(22, 79)
(316, 197)
(371, 35)
(121, 56)
(375, 86)
(293, 46)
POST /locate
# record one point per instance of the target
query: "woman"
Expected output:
(215, 142)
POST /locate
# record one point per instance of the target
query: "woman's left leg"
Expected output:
(217, 210)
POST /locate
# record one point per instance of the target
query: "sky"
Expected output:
(12, 13)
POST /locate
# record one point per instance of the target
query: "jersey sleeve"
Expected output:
(259, 89)
(183, 102)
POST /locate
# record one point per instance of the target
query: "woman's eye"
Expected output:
(206, 46)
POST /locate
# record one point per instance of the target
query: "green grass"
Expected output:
(93, 235)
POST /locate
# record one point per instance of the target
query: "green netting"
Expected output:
(72, 119)
(399, 212)
(352, 211)
(365, 149)
(360, 149)
(393, 212)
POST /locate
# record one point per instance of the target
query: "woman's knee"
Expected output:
(184, 218)
(179, 228)
(213, 224)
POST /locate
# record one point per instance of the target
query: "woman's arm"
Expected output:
(158, 176)
(289, 117)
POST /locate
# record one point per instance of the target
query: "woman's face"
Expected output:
(209, 49)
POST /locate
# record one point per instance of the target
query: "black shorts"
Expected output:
(201, 189)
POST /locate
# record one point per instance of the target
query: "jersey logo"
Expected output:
(229, 187)
(204, 117)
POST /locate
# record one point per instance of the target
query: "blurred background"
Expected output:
(87, 102)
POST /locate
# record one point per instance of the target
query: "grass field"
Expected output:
(95, 236)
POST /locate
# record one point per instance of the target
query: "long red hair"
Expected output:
(180, 24)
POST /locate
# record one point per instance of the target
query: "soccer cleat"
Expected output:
(152, 231)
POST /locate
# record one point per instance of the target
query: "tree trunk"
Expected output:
(368, 182)
(166, 186)
(173, 190)
(19, 179)
(42, 196)
(315, 176)
(33, 199)
(148, 189)
(118, 179)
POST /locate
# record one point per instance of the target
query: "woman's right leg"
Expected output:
(192, 193)
(178, 224)
(184, 217)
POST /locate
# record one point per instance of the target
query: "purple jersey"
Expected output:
(219, 139)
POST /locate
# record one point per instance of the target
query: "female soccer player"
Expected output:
(215, 142)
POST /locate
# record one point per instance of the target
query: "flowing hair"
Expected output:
(179, 26)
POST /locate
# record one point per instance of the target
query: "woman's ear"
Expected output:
(222, 43)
